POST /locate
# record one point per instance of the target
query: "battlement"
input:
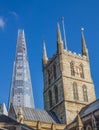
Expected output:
(69, 53)
(74, 54)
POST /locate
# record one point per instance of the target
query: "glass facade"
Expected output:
(21, 87)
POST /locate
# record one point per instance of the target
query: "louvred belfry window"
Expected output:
(75, 91)
(56, 94)
(54, 70)
(72, 68)
(50, 98)
(85, 96)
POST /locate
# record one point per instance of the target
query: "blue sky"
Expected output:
(38, 18)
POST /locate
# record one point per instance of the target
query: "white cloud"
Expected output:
(14, 14)
(2, 23)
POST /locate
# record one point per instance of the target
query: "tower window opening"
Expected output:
(75, 91)
(85, 96)
(56, 94)
(49, 80)
(88, 127)
(50, 98)
(81, 71)
(72, 68)
(54, 71)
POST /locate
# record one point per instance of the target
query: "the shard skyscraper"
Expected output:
(21, 86)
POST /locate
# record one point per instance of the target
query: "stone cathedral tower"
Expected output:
(68, 85)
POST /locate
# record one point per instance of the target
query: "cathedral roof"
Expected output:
(90, 108)
(7, 120)
(36, 115)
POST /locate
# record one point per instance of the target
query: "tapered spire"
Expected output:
(21, 88)
(60, 46)
(59, 37)
(84, 48)
(45, 58)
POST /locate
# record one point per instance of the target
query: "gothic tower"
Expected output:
(21, 87)
(68, 85)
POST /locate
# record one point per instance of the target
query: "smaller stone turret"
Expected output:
(38, 125)
(79, 122)
(94, 122)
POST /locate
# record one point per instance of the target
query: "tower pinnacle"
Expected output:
(59, 37)
(60, 46)
(84, 48)
(45, 58)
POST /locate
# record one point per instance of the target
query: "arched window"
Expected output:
(75, 91)
(49, 77)
(56, 94)
(54, 71)
(50, 98)
(88, 127)
(81, 71)
(85, 93)
(72, 68)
